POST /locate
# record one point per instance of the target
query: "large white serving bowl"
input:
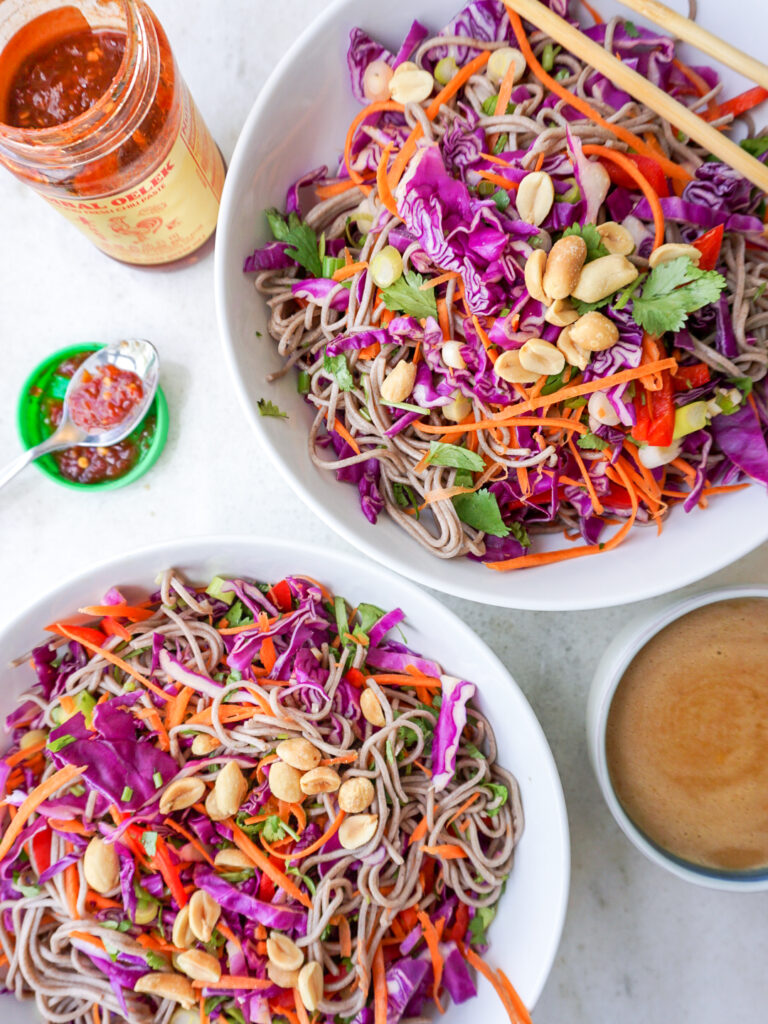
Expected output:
(298, 122)
(525, 935)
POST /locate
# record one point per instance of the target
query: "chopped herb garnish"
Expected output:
(337, 368)
(593, 241)
(631, 29)
(60, 743)
(157, 778)
(406, 296)
(481, 511)
(126, 795)
(301, 239)
(454, 455)
(268, 408)
(673, 290)
(591, 442)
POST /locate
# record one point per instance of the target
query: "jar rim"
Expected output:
(74, 136)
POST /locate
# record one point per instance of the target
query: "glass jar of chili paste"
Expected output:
(95, 116)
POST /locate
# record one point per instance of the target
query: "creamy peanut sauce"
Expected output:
(687, 737)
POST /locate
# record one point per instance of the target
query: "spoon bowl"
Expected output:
(135, 356)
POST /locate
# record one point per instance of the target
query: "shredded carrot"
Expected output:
(382, 183)
(394, 679)
(242, 981)
(637, 175)
(72, 885)
(372, 108)
(268, 655)
(263, 863)
(380, 998)
(345, 435)
(487, 343)
(204, 1018)
(465, 806)
(301, 1010)
(227, 713)
(334, 188)
(22, 755)
(95, 1014)
(559, 423)
(670, 168)
(709, 491)
(371, 351)
(472, 958)
(332, 829)
(517, 1002)
(419, 832)
(178, 708)
(432, 940)
(86, 937)
(442, 318)
(70, 825)
(63, 777)
(688, 471)
(342, 759)
(117, 662)
(500, 180)
(343, 273)
(596, 504)
(112, 627)
(593, 13)
(229, 934)
(152, 717)
(101, 902)
(539, 162)
(345, 935)
(447, 851)
(423, 768)
(433, 282)
(190, 839)
(120, 611)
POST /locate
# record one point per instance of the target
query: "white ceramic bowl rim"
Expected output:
(691, 546)
(631, 642)
(430, 619)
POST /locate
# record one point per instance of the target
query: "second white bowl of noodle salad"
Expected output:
(489, 316)
(335, 811)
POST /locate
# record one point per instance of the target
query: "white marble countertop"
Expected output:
(639, 946)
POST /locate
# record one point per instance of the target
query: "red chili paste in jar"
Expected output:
(63, 79)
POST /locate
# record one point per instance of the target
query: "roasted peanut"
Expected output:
(673, 251)
(199, 965)
(509, 368)
(410, 84)
(283, 952)
(561, 313)
(399, 382)
(215, 813)
(167, 985)
(574, 354)
(376, 81)
(182, 935)
(457, 410)
(451, 355)
(541, 357)
(371, 707)
(564, 264)
(535, 196)
(203, 744)
(357, 830)
(320, 780)
(604, 276)
(311, 985)
(299, 753)
(232, 859)
(101, 865)
(204, 912)
(285, 782)
(534, 276)
(278, 976)
(594, 332)
(230, 788)
(181, 793)
(616, 238)
(356, 794)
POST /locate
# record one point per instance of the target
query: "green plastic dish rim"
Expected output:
(28, 426)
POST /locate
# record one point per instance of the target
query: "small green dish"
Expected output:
(44, 383)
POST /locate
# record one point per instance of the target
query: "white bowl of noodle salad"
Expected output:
(157, 857)
(483, 342)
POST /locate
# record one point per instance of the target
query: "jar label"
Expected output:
(167, 216)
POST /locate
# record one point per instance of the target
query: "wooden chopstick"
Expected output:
(642, 90)
(687, 30)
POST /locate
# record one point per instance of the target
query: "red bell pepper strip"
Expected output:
(280, 594)
(93, 636)
(41, 850)
(617, 497)
(648, 168)
(266, 888)
(687, 377)
(355, 678)
(642, 415)
(169, 871)
(738, 105)
(458, 930)
(662, 404)
(709, 245)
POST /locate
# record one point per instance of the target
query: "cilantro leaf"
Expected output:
(591, 442)
(453, 455)
(498, 793)
(149, 842)
(336, 367)
(757, 147)
(157, 963)
(744, 384)
(502, 200)
(273, 830)
(405, 497)
(404, 296)
(479, 924)
(673, 290)
(60, 742)
(267, 408)
(592, 239)
(463, 478)
(481, 511)
(520, 534)
(369, 615)
(301, 239)
(304, 878)
(632, 30)
(589, 307)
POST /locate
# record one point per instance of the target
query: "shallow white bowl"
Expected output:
(526, 933)
(298, 122)
(608, 674)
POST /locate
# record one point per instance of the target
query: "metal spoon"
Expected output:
(139, 357)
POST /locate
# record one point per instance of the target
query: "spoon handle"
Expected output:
(10, 471)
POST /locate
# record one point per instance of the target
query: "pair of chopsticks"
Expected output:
(644, 91)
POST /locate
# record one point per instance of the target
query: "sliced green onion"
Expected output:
(386, 267)
(157, 778)
(690, 418)
(445, 70)
(303, 383)
(126, 795)
(486, 188)
(215, 589)
(331, 264)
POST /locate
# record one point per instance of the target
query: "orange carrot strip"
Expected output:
(371, 351)
(250, 849)
(688, 471)
(500, 180)
(119, 611)
(442, 318)
(22, 755)
(372, 108)
(95, 1014)
(596, 504)
(593, 13)
(334, 188)
(332, 829)
(709, 491)
(637, 175)
(670, 168)
(101, 902)
(152, 717)
(301, 1010)
(487, 343)
(38, 796)
(345, 935)
(235, 981)
(392, 679)
(465, 806)
(380, 998)
(86, 937)
(382, 183)
(517, 1002)
(227, 713)
(419, 832)
(342, 759)
(519, 421)
(433, 282)
(70, 825)
(178, 709)
(482, 968)
(229, 934)
(190, 839)
(432, 940)
(345, 435)
(349, 271)
(447, 851)
(118, 663)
